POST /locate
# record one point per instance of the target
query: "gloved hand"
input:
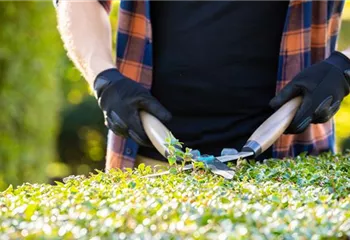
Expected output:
(323, 87)
(121, 99)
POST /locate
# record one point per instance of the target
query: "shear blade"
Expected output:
(229, 158)
(220, 168)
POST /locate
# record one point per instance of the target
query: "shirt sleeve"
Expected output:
(106, 4)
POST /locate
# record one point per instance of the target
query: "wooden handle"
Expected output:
(156, 131)
(270, 130)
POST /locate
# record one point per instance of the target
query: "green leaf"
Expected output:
(59, 183)
(141, 167)
(275, 199)
(173, 170)
(8, 190)
(132, 184)
(74, 189)
(28, 213)
(225, 200)
(172, 160)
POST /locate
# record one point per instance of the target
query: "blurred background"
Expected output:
(50, 124)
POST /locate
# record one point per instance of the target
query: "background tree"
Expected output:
(29, 90)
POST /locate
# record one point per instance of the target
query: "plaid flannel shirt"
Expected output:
(309, 36)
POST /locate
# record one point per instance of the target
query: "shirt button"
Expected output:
(128, 151)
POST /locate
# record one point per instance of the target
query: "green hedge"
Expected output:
(277, 199)
(29, 91)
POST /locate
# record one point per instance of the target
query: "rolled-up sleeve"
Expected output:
(106, 4)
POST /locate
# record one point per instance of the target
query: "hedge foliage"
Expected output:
(279, 199)
(29, 90)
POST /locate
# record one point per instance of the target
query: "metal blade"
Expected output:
(229, 158)
(220, 168)
(226, 172)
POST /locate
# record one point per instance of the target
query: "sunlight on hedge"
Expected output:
(303, 197)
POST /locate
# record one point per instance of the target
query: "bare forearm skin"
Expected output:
(86, 33)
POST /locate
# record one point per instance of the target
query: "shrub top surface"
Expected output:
(290, 198)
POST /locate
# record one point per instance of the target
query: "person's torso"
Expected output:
(215, 67)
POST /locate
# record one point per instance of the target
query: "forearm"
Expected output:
(86, 33)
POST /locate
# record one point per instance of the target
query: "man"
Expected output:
(213, 69)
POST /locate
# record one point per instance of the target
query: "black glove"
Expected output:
(323, 87)
(121, 99)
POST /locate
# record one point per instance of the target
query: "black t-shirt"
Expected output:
(215, 68)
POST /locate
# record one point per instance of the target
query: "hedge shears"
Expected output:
(262, 138)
